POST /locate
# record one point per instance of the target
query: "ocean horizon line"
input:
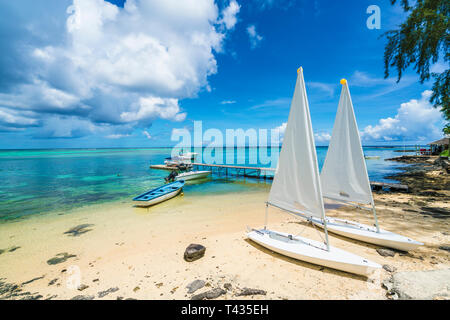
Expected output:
(181, 147)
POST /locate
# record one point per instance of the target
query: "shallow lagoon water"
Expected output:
(42, 181)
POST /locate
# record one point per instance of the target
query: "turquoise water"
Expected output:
(39, 181)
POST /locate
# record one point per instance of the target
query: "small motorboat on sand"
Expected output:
(159, 194)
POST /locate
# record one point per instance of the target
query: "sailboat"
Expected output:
(296, 189)
(344, 179)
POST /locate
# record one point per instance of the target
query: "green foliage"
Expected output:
(447, 129)
(444, 153)
(420, 42)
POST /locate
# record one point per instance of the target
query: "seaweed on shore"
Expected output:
(14, 291)
(438, 213)
(78, 230)
(60, 257)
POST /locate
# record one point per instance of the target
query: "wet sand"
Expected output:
(121, 252)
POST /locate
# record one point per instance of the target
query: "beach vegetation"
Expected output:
(422, 42)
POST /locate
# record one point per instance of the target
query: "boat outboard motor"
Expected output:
(171, 176)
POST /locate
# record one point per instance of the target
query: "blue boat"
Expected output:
(159, 194)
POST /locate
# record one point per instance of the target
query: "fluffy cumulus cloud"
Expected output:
(416, 120)
(254, 37)
(320, 137)
(101, 67)
(281, 129)
(230, 14)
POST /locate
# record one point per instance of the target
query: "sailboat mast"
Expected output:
(345, 84)
(326, 234)
(375, 216)
(266, 216)
(317, 177)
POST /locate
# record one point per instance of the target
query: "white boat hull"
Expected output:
(313, 252)
(365, 233)
(154, 201)
(191, 175)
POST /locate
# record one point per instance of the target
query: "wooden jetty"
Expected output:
(262, 173)
(238, 171)
(227, 170)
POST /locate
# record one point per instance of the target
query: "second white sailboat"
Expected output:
(344, 178)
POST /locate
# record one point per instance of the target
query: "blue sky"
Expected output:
(126, 74)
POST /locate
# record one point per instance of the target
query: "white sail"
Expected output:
(296, 185)
(344, 173)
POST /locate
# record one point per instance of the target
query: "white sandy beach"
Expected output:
(140, 251)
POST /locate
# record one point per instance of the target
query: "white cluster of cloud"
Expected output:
(228, 102)
(322, 137)
(230, 14)
(319, 137)
(117, 136)
(416, 120)
(281, 130)
(255, 38)
(145, 132)
(154, 107)
(116, 68)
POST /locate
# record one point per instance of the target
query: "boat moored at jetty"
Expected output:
(182, 158)
(192, 175)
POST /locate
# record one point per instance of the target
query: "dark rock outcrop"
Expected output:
(211, 294)
(386, 252)
(389, 268)
(194, 252)
(195, 285)
(251, 292)
(82, 287)
(101, 294)
(80, 297)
